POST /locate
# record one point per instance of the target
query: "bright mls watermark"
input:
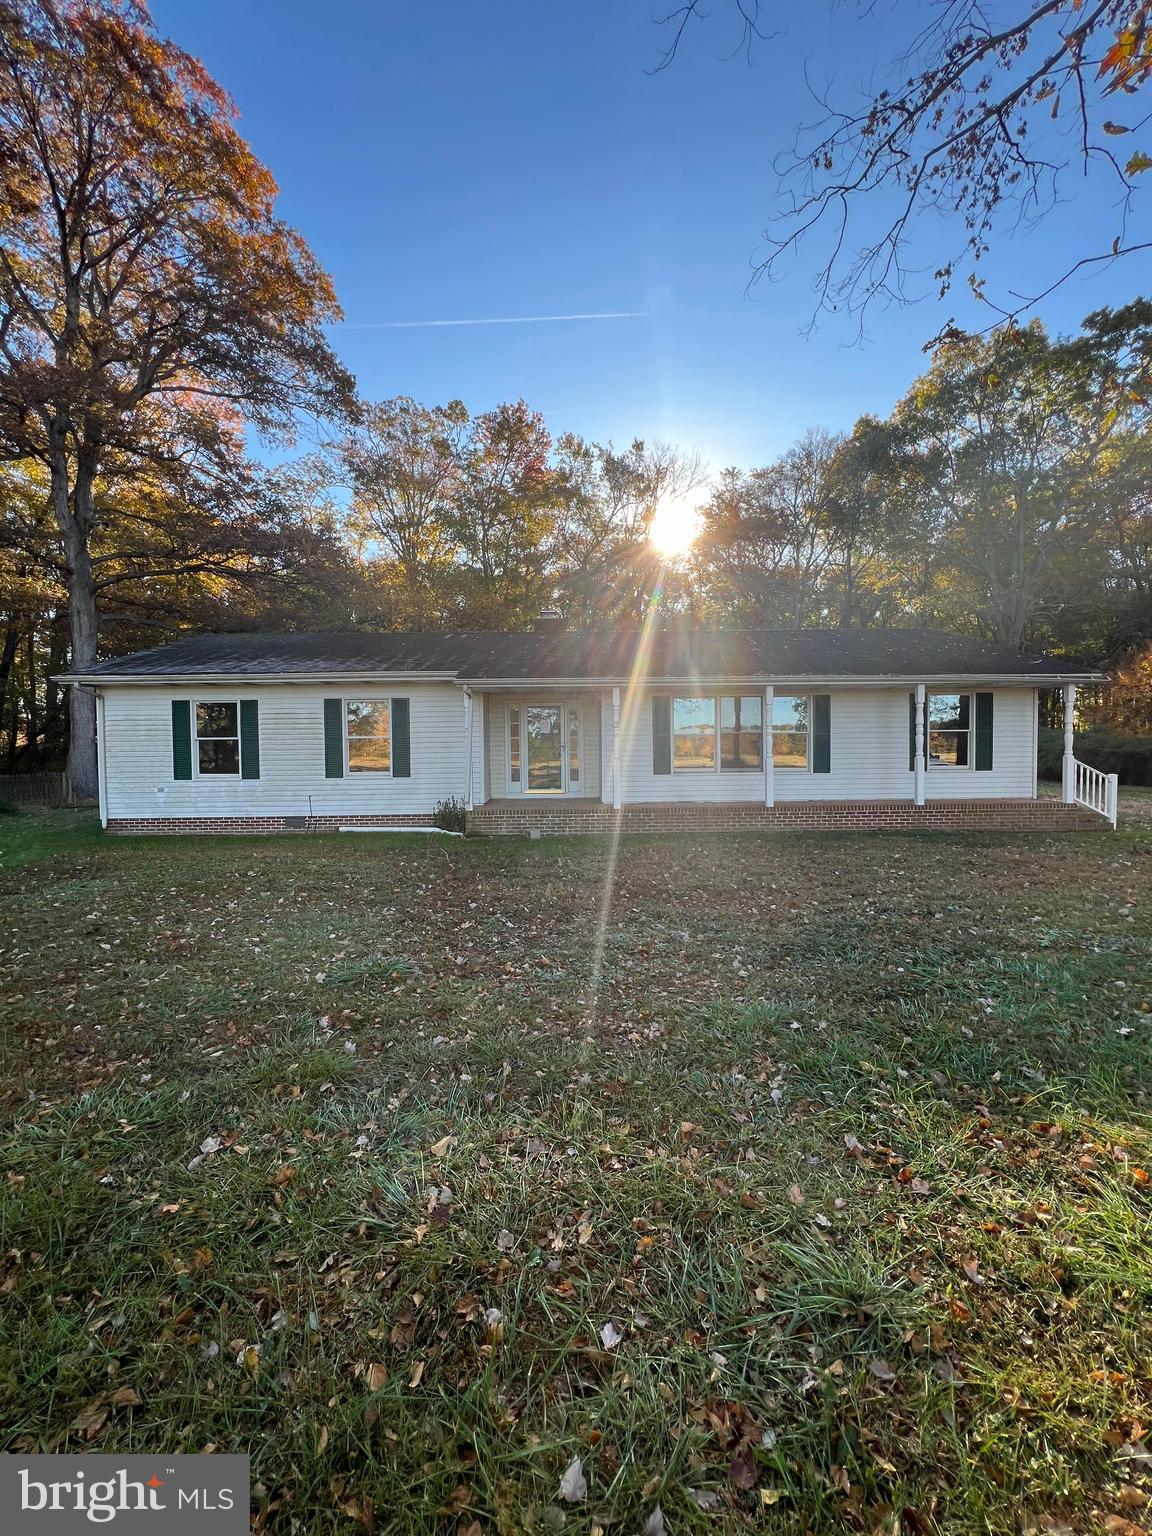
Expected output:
(188, 1494)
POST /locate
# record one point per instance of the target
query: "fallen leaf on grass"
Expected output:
(654, 1525)
(574, 1485)
(505, 1240)
(744, 1471)
(971, 1268)
(881, 1369)
(1117, 1525)
(417, 1374)
(443, 1146)
(377, 1377)
(89, 1421)
(124, 1397)
(795, 1194)
(610, 1335)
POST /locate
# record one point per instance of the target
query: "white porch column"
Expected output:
(769, 767)
(921, 753)
(616, 749)
(1069, 764)
(468, 749)
(480, 711)
(605, 706)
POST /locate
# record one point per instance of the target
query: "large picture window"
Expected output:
(791, 730)
(369, 734)
(949, 729)
(741, 733)
(218, 738)
(722, 732)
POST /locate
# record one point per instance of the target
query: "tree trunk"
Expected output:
(7, 657)
(73, 515)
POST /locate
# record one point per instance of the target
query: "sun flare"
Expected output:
(674, 527)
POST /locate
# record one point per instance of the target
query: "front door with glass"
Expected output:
(544, 749)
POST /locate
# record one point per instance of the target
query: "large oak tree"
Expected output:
(150, 299)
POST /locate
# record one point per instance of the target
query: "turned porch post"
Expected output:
(1069, 764)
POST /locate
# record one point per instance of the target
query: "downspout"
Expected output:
(468, 748)
(101, 761)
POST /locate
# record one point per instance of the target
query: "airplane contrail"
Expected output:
(401, 325)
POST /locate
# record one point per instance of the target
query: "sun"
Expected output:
(674, 527)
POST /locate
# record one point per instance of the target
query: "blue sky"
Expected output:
(465, 161)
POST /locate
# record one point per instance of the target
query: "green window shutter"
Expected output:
(333, 738)
(821, 733)
(181, 739)
(983, 732)
(661, 734)
(911, 733)
(249, 739)
(402, 740)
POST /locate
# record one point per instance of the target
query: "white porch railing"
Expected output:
(1095, 790)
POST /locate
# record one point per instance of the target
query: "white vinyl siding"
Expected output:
(138, 746)
(869, 754)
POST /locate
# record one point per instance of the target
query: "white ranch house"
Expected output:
(568, 731)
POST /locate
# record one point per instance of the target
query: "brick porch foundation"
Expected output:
(249, 824)
(502, 818)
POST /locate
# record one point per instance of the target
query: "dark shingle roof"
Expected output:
(595, 655)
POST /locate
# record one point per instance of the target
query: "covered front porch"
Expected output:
(559, 758)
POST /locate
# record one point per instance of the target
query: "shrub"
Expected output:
(449, 815)
(1129, 757)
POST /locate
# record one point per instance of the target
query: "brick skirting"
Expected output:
(248, 824)
(499, 819)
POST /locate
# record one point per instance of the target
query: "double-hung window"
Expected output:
(949, 730)
(791, 730)
(368, 731)
(694, 733)
(218, 738)
(718, 733)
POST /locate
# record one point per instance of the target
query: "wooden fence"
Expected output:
(35, 789)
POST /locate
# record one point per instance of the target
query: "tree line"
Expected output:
(154, 311)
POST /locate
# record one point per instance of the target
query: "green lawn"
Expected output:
(797, 1186)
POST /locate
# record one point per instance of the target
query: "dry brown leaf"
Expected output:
(376, 1377)
(795, 1194)
(89, 1421)
(442, 1147)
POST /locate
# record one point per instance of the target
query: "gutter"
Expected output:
(236, 680)
(239, 679)
(782, 679)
